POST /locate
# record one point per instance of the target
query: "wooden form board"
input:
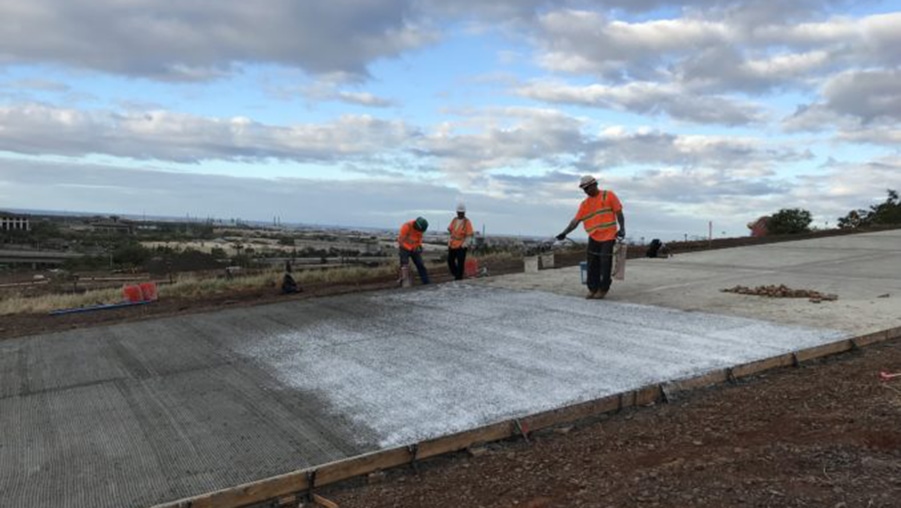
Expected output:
(333, 472)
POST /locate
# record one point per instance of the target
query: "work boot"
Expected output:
(591, 295)
(600, 294)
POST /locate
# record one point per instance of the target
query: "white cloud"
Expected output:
(738, 49)
(170, 136)
(649, 99)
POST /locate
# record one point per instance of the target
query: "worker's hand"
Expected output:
(560, 237)
(621, 234)
(419, 249)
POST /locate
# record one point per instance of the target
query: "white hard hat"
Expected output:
(461, 207)
(587, 181)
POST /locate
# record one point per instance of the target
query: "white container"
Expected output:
(530, 264)
(546, 261)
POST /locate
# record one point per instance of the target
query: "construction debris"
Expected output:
(783, 291)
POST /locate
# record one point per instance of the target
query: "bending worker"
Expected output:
(599, 212)
(461, 236)
(409, 245)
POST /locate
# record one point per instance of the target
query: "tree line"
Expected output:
(789, 221)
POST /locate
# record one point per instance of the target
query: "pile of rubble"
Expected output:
(783, 291)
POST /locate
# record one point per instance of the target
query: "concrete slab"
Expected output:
(137, 414)
(863, 270)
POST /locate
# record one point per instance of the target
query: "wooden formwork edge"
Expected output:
(306, 479)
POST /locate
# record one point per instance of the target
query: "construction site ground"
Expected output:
(139, 413)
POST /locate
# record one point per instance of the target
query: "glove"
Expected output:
(621, 234)
(560, 237)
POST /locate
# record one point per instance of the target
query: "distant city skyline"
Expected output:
(368, 113)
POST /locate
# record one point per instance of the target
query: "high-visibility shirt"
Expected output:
(459, 230)
(409, 238)
(598, 215)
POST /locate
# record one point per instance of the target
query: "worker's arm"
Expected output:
(622, 224)
(573, 224)
(470, 236)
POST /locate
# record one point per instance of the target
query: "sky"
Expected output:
(701, 116)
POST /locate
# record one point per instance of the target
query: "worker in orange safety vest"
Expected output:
(599, 213)
(409, 245)
(461, 237)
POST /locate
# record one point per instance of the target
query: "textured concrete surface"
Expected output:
(136, 414)
(864, 270)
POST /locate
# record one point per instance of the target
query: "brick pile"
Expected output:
(782, 291)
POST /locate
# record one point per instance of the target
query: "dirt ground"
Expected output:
(826, 434)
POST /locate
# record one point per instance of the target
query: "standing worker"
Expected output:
(409, 245)
(600, 212)
(461, 236)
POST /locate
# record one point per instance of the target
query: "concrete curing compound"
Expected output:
(137, 414)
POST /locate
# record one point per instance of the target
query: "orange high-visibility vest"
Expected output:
(598, 215)
(409, 238)
(459, 229)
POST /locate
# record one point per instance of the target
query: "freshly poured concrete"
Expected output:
(136, 414)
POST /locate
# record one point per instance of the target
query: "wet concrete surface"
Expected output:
(136, 414)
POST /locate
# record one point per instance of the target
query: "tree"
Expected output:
(887, 212)
(789, 221)
(131, 255)
(218, 253)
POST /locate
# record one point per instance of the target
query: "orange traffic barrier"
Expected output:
(132, 294)
(148, 290)
(471, 268)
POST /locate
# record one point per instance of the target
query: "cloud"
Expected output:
(502, 137)
(745, 157)
(479, 143)
(862, 105)
(172, 40)
(659, 202)
(377, 202)
(330, 90)
(646, 98)
(753, 48)
(588, 42)
(36, 129)
(866, 95)
(41, 85)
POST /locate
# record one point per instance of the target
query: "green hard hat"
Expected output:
(421, 224)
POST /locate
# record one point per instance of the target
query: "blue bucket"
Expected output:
(583, 271)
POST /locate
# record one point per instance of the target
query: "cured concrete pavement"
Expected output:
(864, 270)
(136, 414)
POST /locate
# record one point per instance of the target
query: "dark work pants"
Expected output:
(456, 262)
(600, 264)
(407, 255)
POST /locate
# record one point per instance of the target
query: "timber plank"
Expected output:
(811, 353)
(573, 413)
(749, 369)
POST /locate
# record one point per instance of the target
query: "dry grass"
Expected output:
(192, 286)
(189, 287)
(22, 304)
